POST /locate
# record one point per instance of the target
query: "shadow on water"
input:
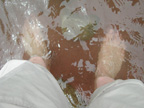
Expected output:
(74, 31)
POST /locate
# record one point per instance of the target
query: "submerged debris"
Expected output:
(75, 97)
(78, 24)
(87, 32)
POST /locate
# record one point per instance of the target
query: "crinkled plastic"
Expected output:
(24, 28)
(76, 23)
(33, 39)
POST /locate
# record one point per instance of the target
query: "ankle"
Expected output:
(101, 81)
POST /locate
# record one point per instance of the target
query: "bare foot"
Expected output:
(34, 44)
(33, 39)
(111, 55)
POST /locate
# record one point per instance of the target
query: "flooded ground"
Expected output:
(74, 31)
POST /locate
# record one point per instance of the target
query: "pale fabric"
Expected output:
(9, 66)
(27, 85)
(119, 94)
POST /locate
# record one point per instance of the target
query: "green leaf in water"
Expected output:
(87, 32)
(64, 30)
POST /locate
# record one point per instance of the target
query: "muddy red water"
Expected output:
(76, 60)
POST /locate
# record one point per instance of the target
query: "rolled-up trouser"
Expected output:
(27, 85)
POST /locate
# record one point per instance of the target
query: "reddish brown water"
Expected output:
(76, 60)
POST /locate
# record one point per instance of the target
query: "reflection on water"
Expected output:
(63, 21)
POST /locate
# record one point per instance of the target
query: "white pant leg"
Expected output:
(29, 85)
(10, 65)
(119, 94)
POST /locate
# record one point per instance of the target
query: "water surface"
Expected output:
(74, 51)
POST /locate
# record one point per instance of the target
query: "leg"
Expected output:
(100, 81)
(33, 43)
(110, 59)
(38, 60)
(119, 93)
(28, 84)
(43, 62)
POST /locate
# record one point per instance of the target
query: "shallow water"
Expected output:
(74, 58)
